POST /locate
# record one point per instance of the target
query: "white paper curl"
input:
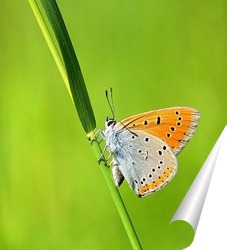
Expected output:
(208, 193)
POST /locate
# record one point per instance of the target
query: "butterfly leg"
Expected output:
(117, 175)
(100, 133)
(101, 157)
(95, 137)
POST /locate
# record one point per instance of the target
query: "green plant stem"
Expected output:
(117, 200)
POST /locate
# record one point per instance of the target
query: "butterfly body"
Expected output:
(144, 146)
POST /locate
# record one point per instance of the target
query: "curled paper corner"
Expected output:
(212, 174)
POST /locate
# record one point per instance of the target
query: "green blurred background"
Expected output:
(154, 54)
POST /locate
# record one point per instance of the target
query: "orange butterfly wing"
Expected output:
(175, 125)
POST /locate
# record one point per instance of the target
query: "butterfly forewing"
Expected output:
(174, 125)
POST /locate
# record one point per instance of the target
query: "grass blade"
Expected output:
(52, 25)
(57, 37)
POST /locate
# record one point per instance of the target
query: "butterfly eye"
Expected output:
(109, 122)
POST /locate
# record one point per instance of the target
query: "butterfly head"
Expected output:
(110, 122)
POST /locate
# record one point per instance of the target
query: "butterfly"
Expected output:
(144, 146)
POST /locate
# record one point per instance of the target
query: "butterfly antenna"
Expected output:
(110, 101)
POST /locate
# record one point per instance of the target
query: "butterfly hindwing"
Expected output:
(146, 162)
